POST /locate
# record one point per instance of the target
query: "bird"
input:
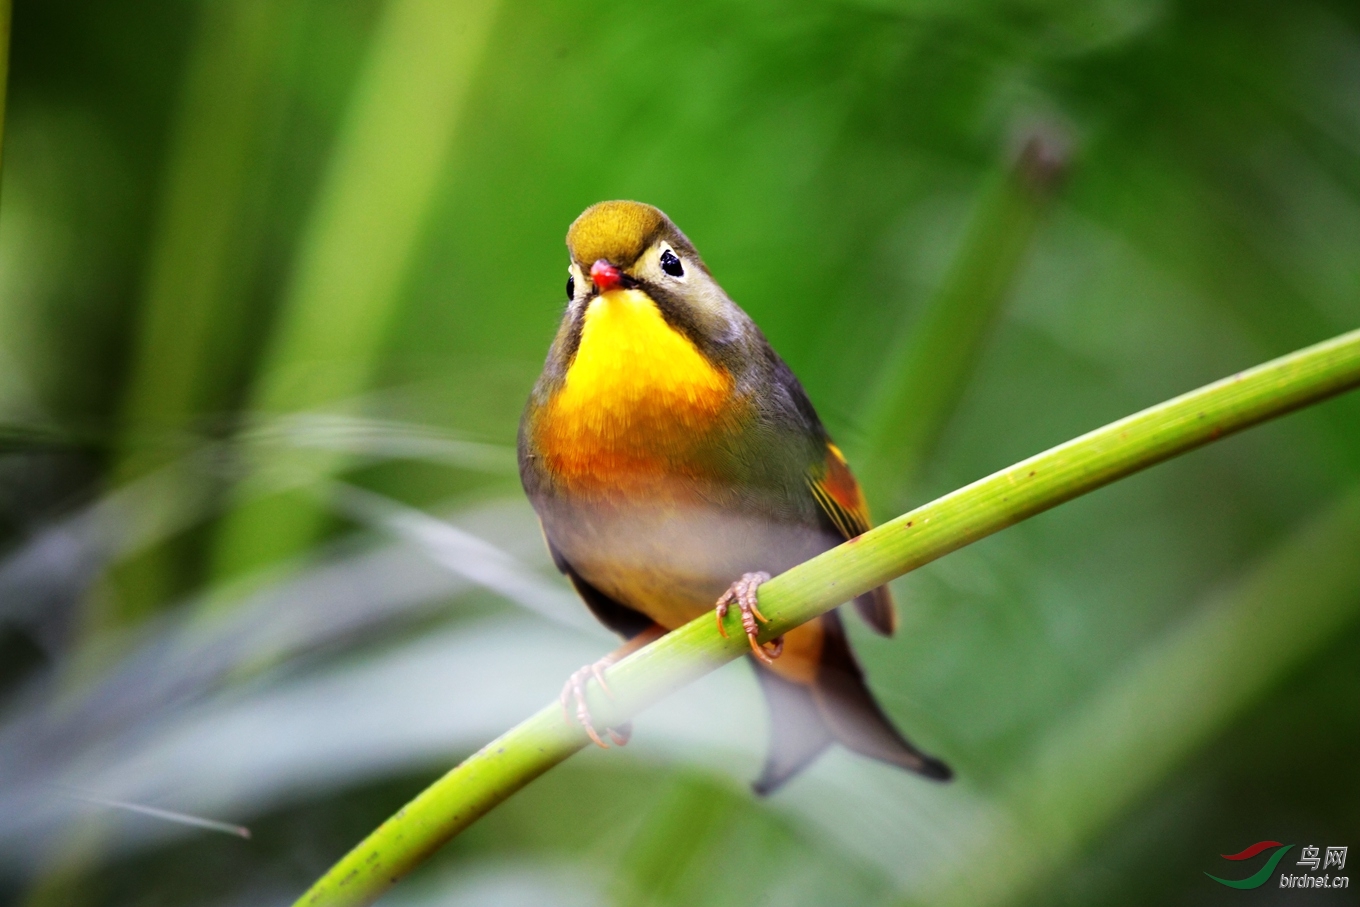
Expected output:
(675, 464)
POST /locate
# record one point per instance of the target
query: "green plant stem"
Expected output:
(929, 532)
(401, 129)
(201, 262)
(928, 368)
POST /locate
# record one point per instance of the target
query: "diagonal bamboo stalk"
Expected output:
(927, 371)
(931, 531)
(404, 120)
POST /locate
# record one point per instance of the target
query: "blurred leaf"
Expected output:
(366, 221)
(924, 375)
(202, 261)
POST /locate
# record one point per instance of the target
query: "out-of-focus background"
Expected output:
(276, 277)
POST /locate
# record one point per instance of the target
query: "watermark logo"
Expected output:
(1316, 863)
(1313, 858)
(1258, 878)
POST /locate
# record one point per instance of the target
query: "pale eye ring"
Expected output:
(670, 263)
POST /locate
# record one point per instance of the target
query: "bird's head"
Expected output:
(641, 304)
(624, 245)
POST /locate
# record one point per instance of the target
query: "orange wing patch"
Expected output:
(838, 494)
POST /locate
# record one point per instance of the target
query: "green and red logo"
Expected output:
(1257, 878)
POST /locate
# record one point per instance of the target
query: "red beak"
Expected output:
(605, 276)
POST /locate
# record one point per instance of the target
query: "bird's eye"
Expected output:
(571, 286)
(670, 263)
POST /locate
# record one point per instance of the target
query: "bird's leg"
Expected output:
(742, 593)
(575, 689)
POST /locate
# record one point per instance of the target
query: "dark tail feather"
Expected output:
(876, 607)
(838, 708)
(853, 716)
(797, 733)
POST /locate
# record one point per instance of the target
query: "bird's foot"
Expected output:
(575, 691)
(742, 593)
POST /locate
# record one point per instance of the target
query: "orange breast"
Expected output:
(639, 402)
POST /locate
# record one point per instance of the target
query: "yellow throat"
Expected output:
(638, 395)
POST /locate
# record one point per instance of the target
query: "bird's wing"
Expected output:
(838, 493)
(618, 617)
(843, 505)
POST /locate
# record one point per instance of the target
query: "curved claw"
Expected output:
(592, 734)
(767, 652)
(743, 593)
(575, 688)
(597, 669)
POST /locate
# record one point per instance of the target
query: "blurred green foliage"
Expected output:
(254, 253)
